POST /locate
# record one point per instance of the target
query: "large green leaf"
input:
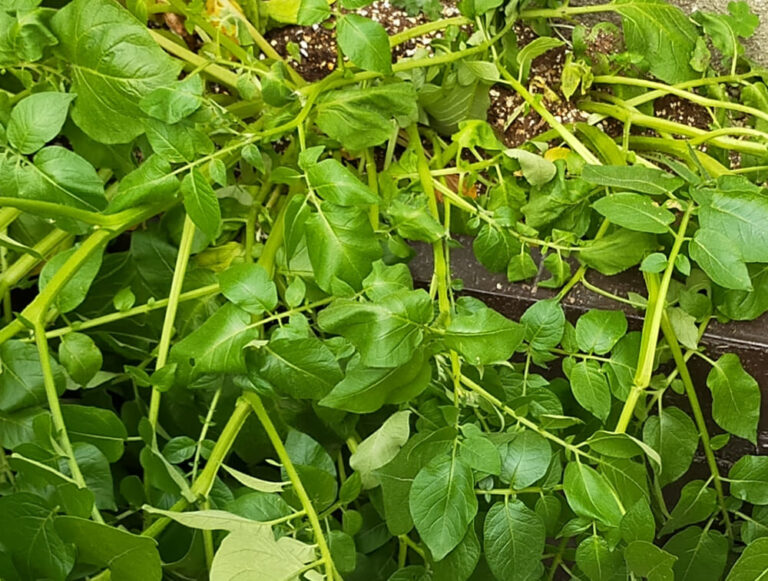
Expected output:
(674, 436)
(386, 333)
(749, 479)
(514, 538)
(524, 459)
(200, 203)
(365, 389)
(483, 335)
(595, 557)
(342, 247)
(752, 564)
(37, 119)
(21, 380)
(633, 177)
(336, 184)
(735, 397)
(29, 536)
(590, 495)
(114, 62)
(360, 118)
(635, 211)
(701, 554)
(661, 33)
(590, 388)
(718, 255)
(443, 503)
(381, 447)
(365, 42)
(128, 557)
(617, 251)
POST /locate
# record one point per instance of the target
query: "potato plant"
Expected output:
(215, 363)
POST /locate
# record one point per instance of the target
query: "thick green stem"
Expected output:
(566, 11)
(441, 265)
(701, 424)
(657, 298)
(426, 28)
(182, 259)
(298, 487)
(26, 263)
(8, 215)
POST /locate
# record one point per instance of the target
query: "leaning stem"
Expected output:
(657, 298)
(57, 417)
(690, 390)
(258, 407)
(182, 259)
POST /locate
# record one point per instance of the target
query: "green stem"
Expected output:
(536, 105)
(56, 416)
(8, 215)
(441, 265)
(424, 29)
(701, 424)
(657, 298)
(566, 11)
(510, 491)
(212, 70)
(182, 259)
(139, 310)
(26, 263)
(298, 487)
(579, 274)
(676, 90)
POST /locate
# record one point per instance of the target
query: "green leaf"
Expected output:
(201, 204)
(443, 503)
(535, 48)
(735, 397)
(536, 170)
(250, 287)
(649, 561)
(725, 29)
(697, 503)
(341, 246)
(365, 389)
(80, 357)
(380, 447)
(525, 458)
(128, 557)
(718, 256)
(177, 143)
(749, 479)
(76, 288)
(674, 436)
(336, 184)
(590, 388)
(663, 34)
(175, 102)
(49, 483)
(544, 325)
(343, 551)
(255, 483)
(299, 368)
(638, 523)
(632, 177)
(413, 221)
(590, 495)
(598, 562)
(99, 427)
(29, 536)
(459, 564)
(514, 539)
(360, 118)
(740, 213)
(67, 179)
(635, 211)
(700, 554)
(255, 554)
(598, 331)
(115, 62)
(365, 42)
(752, 564)
(747, 305)
(617, 251)
(386, 333)
(150, 182)
(37, 119)
(96, 473)
(217, 345)
(483, 336)
(21, 380)
(480, 454)
(494, 248)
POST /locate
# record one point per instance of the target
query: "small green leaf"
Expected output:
(380, 448)
(80, 357)
(735, 397)
(514, 539)
(544, 325)
(483, 336)
(634, 177)
(635, 211)
(674, 436)
(590, 495)
(590, 388)
(697, 503)
(596, 559)
(250, 287)
(536, 170)
(201, 204)
(336, 184)
(37, 119)
(649, 561)
(718, 256)
(749, 479)
(443, 503)
(525, 458)
(365, 42)
(598, 331)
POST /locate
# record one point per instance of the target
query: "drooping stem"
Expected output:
(690, 391)
(657, 298)
(182, 259)
(298, 487)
